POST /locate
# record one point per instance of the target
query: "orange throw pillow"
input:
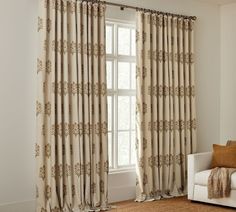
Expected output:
(224, 156)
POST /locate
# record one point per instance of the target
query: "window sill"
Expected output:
(122, 170)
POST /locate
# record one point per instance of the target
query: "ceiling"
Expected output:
(219, 2)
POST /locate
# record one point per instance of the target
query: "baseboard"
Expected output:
(27, 206)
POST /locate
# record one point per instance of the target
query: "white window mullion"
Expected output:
(130, 104)
(130, 38)
(115, 41)
(116, 116)
(112, 135)
(116, 99)
(115, 140)
(130, 126)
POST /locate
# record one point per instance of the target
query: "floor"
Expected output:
(180, 204)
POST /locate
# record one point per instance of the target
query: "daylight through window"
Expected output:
(120, 66)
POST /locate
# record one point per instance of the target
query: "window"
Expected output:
(120, 66)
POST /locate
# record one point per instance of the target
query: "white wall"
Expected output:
(228, 73)
(17, 89)
(18, 41)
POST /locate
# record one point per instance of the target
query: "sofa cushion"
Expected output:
(201, 178)
(224, 156)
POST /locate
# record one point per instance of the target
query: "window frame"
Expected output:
(115, 92)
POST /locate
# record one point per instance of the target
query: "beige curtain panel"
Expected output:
(71, 148)
(166, 120)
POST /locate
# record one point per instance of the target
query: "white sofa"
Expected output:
(198, 173)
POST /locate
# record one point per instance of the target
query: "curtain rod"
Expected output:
(123, 6)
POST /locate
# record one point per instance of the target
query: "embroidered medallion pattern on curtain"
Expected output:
(71, 148)
(166, 120)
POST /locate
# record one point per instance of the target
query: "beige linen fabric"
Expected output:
(166, 120)
(219, 182)
(71, 148)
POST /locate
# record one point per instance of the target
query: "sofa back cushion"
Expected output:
(224, 156)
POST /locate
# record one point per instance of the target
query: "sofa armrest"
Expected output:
(196, 163)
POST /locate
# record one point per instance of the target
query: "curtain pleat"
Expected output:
(166, 119)
(71, 148)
